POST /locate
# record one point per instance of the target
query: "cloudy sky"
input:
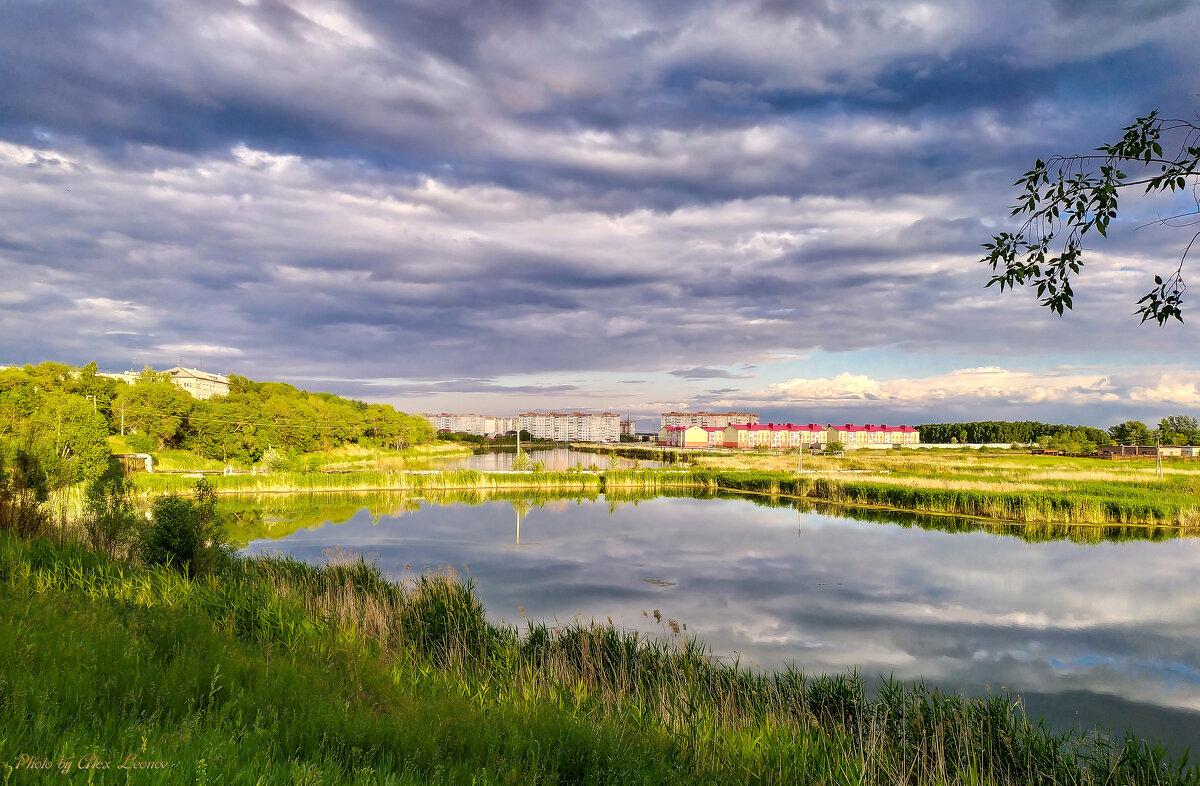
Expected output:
(501, 206)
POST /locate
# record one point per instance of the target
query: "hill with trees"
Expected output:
(56, 420)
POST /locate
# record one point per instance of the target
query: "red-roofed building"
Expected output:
(683, 437)
(774, 435)
(863, 436)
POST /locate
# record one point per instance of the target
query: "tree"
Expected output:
(1066, 197)
(1178, 430)
(110, 513)
(1131, 432)
(225, 428)
(24, 489)
(156, 409)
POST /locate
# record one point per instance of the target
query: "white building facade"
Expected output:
(707, 419)
(572, 426)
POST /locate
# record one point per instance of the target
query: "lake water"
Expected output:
(555, 459)
(1106, 633)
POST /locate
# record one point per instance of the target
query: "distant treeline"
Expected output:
(69, 412)
(1024, 431)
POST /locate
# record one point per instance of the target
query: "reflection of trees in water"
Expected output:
(274, 516)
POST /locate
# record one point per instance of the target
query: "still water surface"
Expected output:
(1087, 634)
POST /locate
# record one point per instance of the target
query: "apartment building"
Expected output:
(572, 426)
(470, 423)
(628, 428)
(778, 436)
(706, 419)
(869, 435)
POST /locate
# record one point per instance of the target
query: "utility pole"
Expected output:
(93, 398)
(122, 421)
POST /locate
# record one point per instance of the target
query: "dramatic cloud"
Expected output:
(469, 199)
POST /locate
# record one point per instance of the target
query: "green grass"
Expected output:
(281, 672)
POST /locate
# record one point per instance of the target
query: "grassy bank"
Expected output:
(345, 457)
(279, 672)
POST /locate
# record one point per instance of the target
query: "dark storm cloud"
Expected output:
(429, 191)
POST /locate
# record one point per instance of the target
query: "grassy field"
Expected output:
(273, 671)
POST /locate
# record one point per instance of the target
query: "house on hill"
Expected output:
(200, 384)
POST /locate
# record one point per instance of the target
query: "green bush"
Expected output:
(141, 443)
(186, 534)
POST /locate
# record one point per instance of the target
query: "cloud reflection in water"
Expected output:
(1108, 624)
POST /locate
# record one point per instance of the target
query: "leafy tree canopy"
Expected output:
(995, 431)
(72, 429)
(1178, 430)
(1131, 432)
(1065, 198)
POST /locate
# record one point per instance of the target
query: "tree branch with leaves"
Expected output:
(1065, 198)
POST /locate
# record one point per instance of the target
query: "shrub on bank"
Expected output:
(186, 534)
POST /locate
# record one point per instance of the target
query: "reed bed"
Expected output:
(370, 665)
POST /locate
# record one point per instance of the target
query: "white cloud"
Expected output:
(1063, 385)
